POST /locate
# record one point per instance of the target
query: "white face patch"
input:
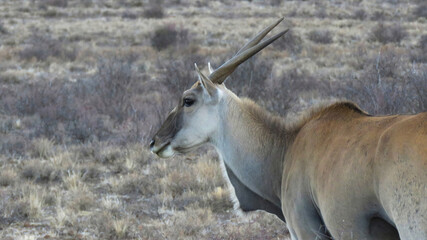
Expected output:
(199, 126)
(189, 126)
(167, 152)
(197, 129)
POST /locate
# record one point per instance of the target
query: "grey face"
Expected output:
(189, 124)
(196, 117)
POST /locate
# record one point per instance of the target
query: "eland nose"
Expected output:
(152, 143)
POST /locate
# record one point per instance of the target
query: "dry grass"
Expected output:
(84, 84)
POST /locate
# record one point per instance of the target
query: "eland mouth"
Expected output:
(158, 149)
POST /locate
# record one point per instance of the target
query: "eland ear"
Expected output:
(208, 86)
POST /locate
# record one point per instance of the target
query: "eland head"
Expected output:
(195, 120)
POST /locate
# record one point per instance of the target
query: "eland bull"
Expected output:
(337, 173)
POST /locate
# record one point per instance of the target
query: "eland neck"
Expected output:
(252, 143)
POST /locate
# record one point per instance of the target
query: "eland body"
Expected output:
(337, 173)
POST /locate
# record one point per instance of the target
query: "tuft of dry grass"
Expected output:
(42, 148)
(73, 182)
(35, 201)
(120, 227)
(8, 177)
(82, 200)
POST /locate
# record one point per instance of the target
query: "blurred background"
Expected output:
(85, 83)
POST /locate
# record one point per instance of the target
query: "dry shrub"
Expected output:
(129, 15)
(137, 184)
(169, 35)
(387, 33)
(389, 63)
(418, 78)
(6, 125)
(85, 3)
(419, 54)
(358, 59)
(14, 145)
(423, 43)
(388, 85)
(421, 10)
(376, 97)
(34, 98)
(53, 3)
(320, 36)
(275, 3)
(249, 79)
(401, 88)
(3, 29)
(283, 92)
(291, 42)
(154, 10)
(61, 110)
(52, 13)
(41, 173)
(321, 12)
(41, 46)
(254, 79)
(114, 82)
(128, 3)
(85, 110)
(379, 16)
(178, 74)
(360, 14)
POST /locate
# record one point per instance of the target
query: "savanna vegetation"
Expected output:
(85, 83)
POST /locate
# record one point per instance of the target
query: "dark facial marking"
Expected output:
(171, 125)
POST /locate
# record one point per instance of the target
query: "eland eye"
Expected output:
(188, 102)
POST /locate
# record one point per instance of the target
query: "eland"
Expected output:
(337, 173)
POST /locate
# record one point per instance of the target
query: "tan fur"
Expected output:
(335, 173)
(355, 168)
